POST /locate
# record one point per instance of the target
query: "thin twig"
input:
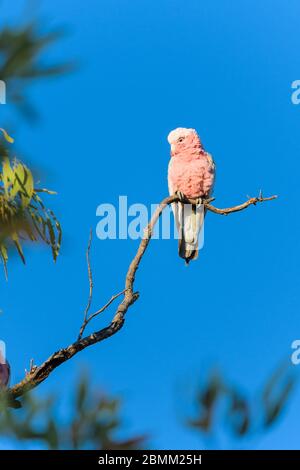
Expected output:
(111, 300)
(240, 207)
(91, 284)
(88, 319)
(40, 373)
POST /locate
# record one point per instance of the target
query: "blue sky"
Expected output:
(146, 68)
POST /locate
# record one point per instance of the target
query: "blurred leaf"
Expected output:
(51, 435)
(81, 394)
(7, 137)
(273, 410)
(206, 400)
(276, 394)
(238, 414)
(18, 246)
(209, 394)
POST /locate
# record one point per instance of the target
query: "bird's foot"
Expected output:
(180, 196)
(199, 201)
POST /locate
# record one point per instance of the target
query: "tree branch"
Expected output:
(40, 373)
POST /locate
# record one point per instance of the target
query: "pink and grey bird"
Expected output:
(191, 174)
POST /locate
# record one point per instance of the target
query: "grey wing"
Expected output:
(214, 170)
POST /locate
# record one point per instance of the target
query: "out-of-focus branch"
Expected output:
(40, 373)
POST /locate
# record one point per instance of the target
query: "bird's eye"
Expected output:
(180, 139)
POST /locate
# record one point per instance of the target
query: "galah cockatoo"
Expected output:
(191, 174)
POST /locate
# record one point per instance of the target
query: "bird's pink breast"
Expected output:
(193, 175)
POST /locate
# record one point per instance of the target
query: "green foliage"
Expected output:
(23, 215)
(20, 61)
(94, 422)
(242, 416)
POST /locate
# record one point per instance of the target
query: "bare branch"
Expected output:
(40, 373)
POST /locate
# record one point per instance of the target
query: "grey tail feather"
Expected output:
(187, 254)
